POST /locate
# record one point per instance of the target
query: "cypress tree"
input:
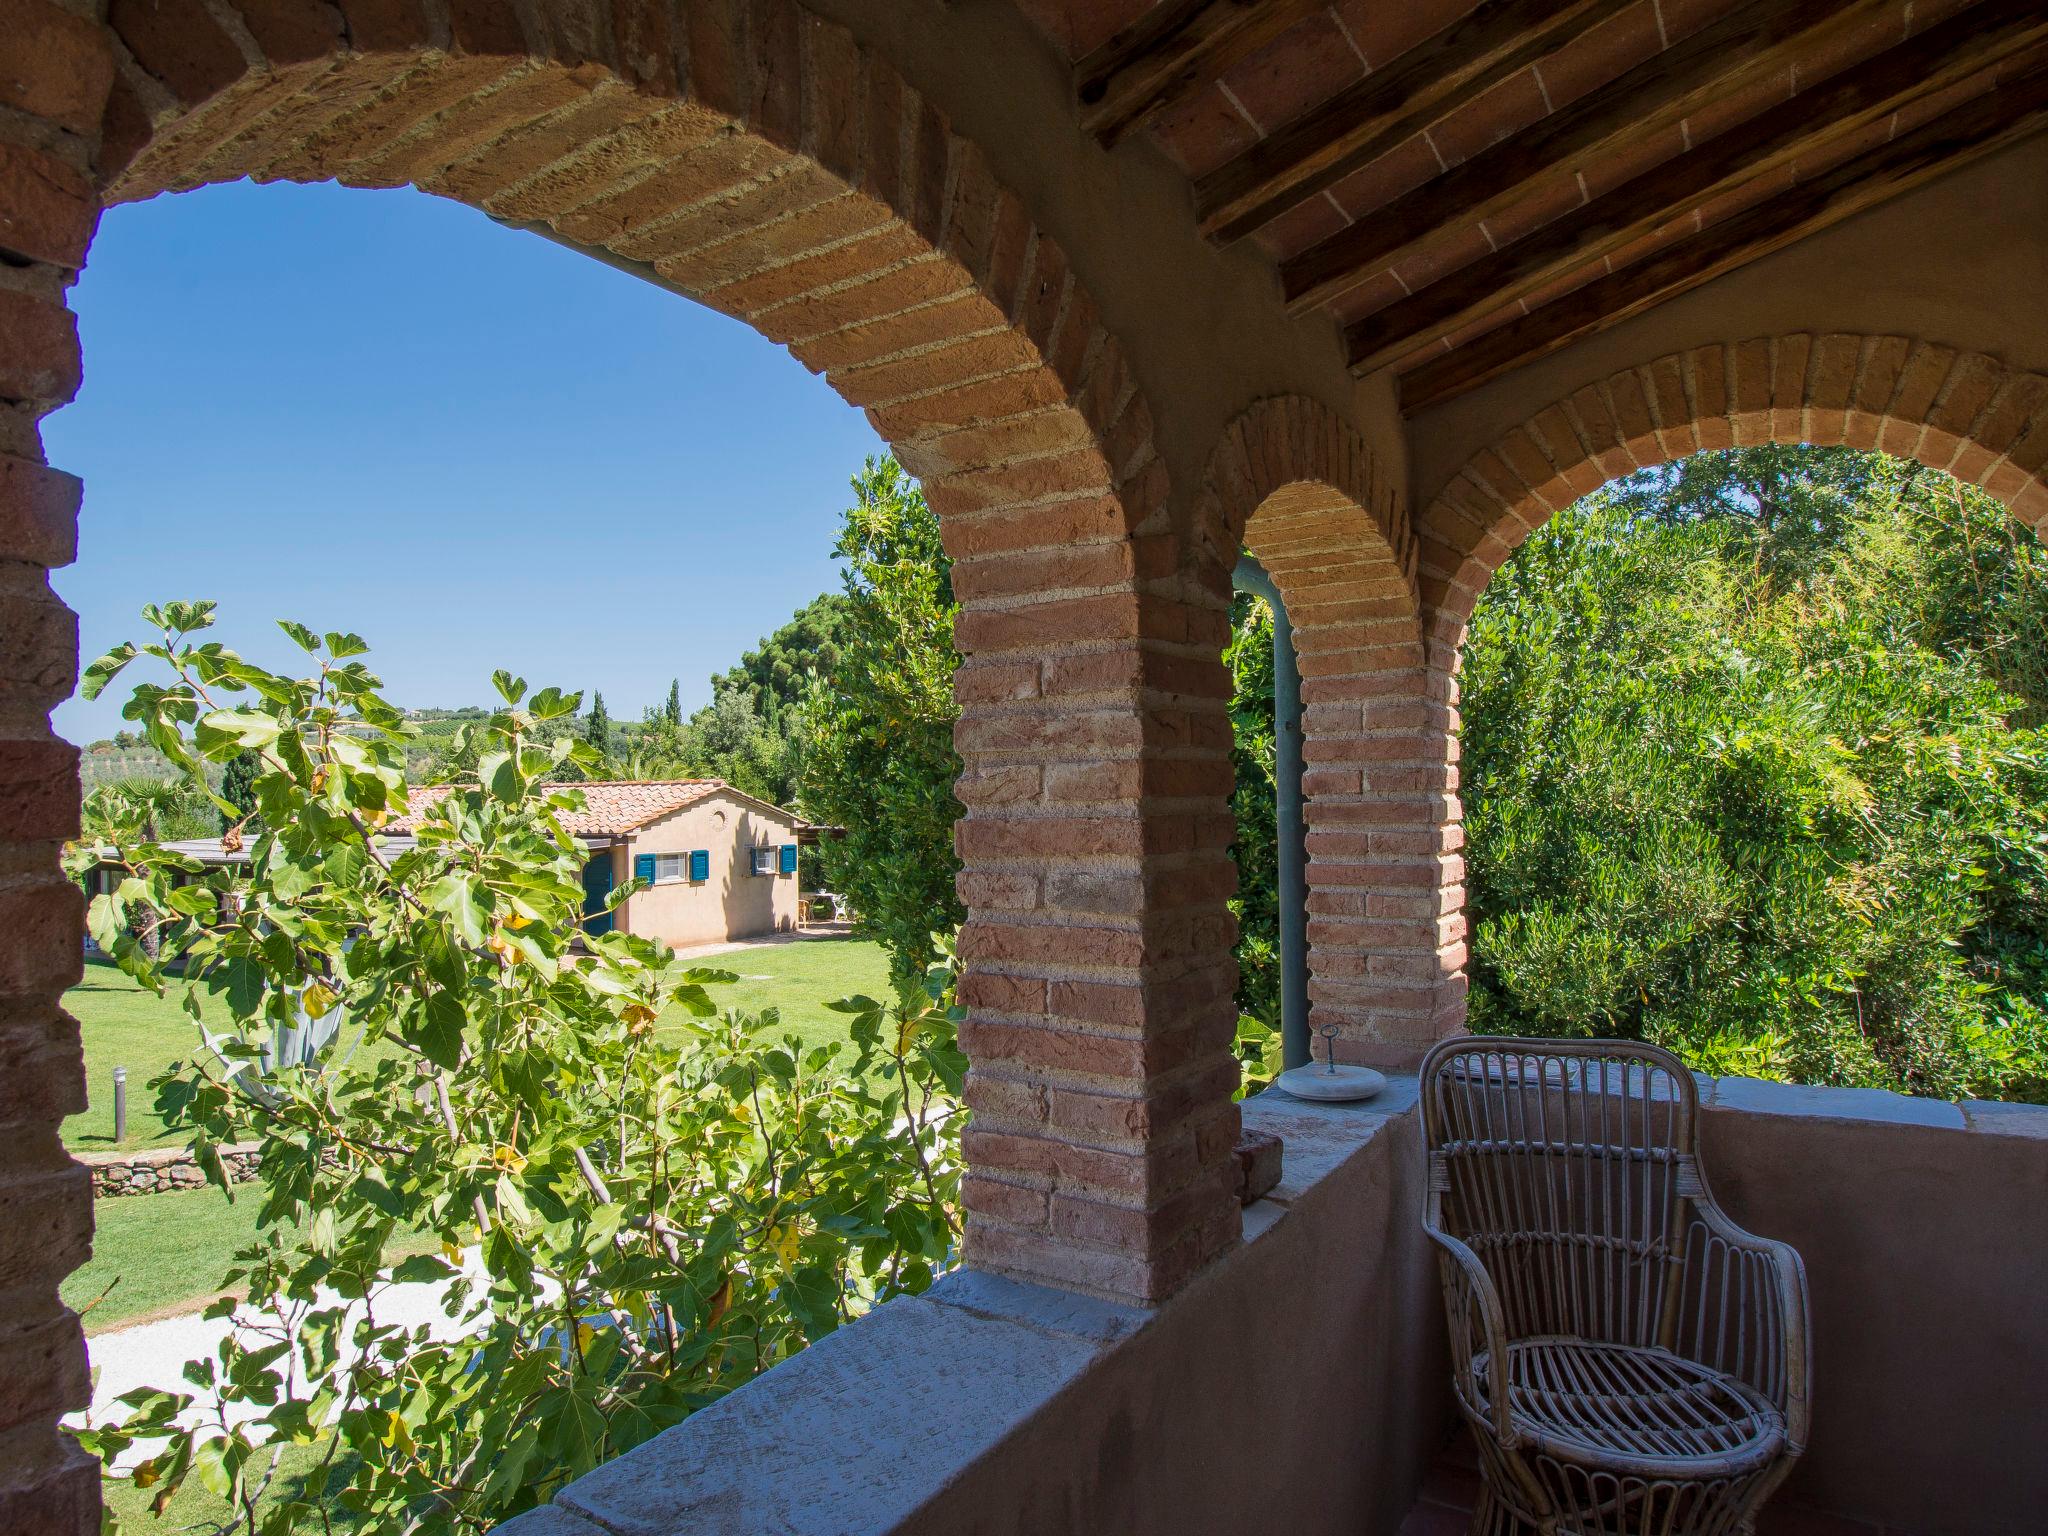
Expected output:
(598, 730)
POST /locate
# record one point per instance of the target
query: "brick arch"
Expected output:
(1298, 487)
(764, 161)
(1961, 412)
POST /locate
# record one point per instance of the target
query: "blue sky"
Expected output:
(379, 411)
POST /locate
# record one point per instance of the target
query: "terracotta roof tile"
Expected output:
(610, 807)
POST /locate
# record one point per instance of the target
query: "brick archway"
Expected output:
(758, 158)
(1961, 412)
(1296, 485)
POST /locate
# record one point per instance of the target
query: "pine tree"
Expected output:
(598, 730)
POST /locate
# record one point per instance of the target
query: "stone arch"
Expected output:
(1297, 486)
(1962, 412)
(757, 157)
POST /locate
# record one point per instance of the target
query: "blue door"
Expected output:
(597, 885)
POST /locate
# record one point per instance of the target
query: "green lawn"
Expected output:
(124, 1026)
(163, 1252)
(800, 979)
(157, 1251)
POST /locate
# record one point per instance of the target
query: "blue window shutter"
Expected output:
(789, 858)
(700, 864)
(643, 867)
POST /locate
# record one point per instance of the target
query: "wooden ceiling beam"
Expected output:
(1748, 44)
(2006, 113)
(1360, 123)
(1946, 55)
(1171, 51)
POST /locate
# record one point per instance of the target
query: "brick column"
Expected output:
(1095, 734)
(54, 75)
(1386, 932)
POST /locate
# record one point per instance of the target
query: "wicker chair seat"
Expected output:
(1630, 1409)
(1631, 1362)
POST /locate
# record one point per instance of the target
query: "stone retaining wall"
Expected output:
(164, 1168)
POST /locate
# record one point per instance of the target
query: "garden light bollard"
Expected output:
(120, 1105)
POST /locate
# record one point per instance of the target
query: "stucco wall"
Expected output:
(1924, 1229)
(734, 903)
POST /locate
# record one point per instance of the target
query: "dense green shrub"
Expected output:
(1256, 846)
(1752, 769)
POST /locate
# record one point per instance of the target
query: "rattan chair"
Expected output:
(1630, 1361)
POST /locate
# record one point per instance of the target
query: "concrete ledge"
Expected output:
(1759, 1097)
(1011, 1405)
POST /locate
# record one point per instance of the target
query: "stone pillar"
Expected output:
(55, 71)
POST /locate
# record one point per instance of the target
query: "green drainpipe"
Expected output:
(1251, 577)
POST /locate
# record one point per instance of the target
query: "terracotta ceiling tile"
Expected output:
(1399, 170)
(1835, 54)
(1593, 58)
(1303, 66)
(1203, 131)
(1922, 14)
(1558, 287)
(1936, 103)
(1442, 257)
(1540, 202)
(1748, 195)
(1655, 240)
(1300, 227)
(1739, 106)
(1369, 297)
(1682, 18)
(1383, 32)
(1632, 158)
(1513, 104)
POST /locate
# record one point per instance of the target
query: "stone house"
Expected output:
(717, 864)
(1365, 288)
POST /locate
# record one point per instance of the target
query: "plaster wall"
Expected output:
(1961, 261)
(1924, 1230)
(734, 903)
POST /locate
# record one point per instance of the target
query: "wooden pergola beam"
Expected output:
(1748, 44)
(1172, 50)
(2001, 116)
(1955, 51)
(1365, 120)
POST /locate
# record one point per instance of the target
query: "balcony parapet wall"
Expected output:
(1301, 1382)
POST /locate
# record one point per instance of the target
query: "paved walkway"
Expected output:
(837, 930)
(153, 1354)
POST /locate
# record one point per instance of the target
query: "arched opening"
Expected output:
(760, 160)
(1361, 950)
(1945, 419)
(1751, 772)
